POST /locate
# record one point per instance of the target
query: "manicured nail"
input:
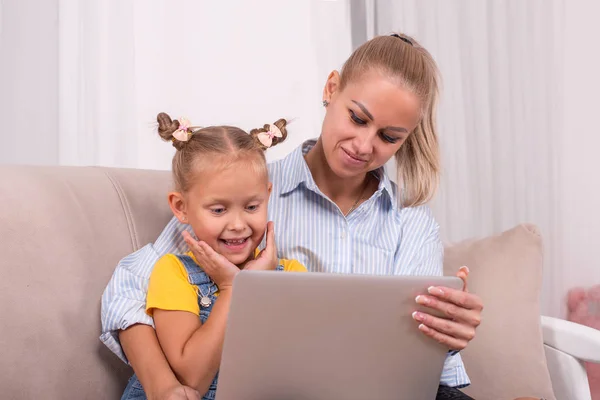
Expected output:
(422, 299)
(417, 316)
(435, 291)
(466, 268)
(423, 328)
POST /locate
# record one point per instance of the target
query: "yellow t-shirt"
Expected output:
(170, 289)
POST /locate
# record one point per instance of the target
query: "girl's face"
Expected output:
(227, 209)
(366, 123)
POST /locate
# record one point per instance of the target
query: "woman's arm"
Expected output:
(124, 298)
(193, 349)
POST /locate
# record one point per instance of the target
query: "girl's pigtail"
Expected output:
(270, 134)
(176, 131)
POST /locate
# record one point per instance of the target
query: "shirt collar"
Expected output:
(300, 173)
(386, 186)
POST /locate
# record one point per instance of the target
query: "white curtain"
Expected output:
(96, 83)
(28, 82)
(112, 65)
(501, 119)
(232, 62)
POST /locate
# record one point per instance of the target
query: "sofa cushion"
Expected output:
(506, 359)
(62, 232)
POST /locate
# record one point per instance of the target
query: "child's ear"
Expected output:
(270, 188)
(177, 204)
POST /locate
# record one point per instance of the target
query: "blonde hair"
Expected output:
(403, 59)
(229, 143)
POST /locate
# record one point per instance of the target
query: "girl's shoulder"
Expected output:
(183, 265)
(292, 266)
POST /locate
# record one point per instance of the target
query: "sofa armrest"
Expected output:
(580, 341)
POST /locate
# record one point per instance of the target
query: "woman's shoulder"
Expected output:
(420, 219)
(421, 212)
(289, 163)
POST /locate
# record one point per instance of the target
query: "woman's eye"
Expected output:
(388, 139)
(356, 120)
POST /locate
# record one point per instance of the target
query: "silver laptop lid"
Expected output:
(322, 336)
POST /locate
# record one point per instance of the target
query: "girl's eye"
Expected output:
(388, 139)
(252, 208)
(218, 211)
(356, 120)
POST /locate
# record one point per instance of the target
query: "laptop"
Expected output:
(321, 336)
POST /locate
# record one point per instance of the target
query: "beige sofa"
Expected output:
(63, 230)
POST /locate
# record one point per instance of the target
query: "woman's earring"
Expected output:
(325, 103)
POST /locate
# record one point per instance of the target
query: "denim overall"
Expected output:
(204, 288)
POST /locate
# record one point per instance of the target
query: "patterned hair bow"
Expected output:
(266, 138)
(182, 133)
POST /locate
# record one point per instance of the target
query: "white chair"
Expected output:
(568, 345)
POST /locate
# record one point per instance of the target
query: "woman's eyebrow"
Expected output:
(364, 109)
(368, 114)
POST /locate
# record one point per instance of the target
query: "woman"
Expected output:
(336, 209)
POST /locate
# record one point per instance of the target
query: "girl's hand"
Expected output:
(180, 393)
(217, 267)
(267, 258)
(462, 309)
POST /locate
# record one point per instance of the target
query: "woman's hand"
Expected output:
(461, 308)
(217, 267)
(267, 258)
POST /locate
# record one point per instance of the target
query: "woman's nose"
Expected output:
(363, 144)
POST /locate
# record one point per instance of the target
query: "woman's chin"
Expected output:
(344, 172)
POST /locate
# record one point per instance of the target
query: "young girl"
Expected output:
(221, 190)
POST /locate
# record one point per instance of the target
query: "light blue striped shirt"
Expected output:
(378, 237)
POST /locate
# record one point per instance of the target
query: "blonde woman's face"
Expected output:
(366, 123)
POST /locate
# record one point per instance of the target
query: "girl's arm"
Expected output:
(192, 349)
(141, 347)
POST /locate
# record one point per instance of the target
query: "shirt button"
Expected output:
(343, 235)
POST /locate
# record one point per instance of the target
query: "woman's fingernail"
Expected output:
(423, 328)
(435, 291)
(422, 299)
(417, 316)
(466, 268)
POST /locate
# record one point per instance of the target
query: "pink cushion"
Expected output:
(584, 308)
